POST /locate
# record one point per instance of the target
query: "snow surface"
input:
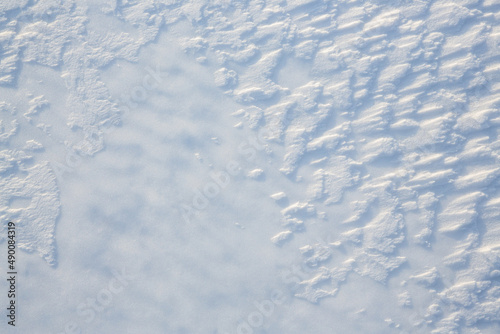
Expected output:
(298, 166)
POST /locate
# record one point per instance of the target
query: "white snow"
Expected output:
(302, 166)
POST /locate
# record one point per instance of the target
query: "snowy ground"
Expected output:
(220, 167)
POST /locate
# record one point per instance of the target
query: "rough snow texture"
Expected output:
(397, 107)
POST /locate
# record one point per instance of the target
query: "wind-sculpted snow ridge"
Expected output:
(389, 114)
(399, 108)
